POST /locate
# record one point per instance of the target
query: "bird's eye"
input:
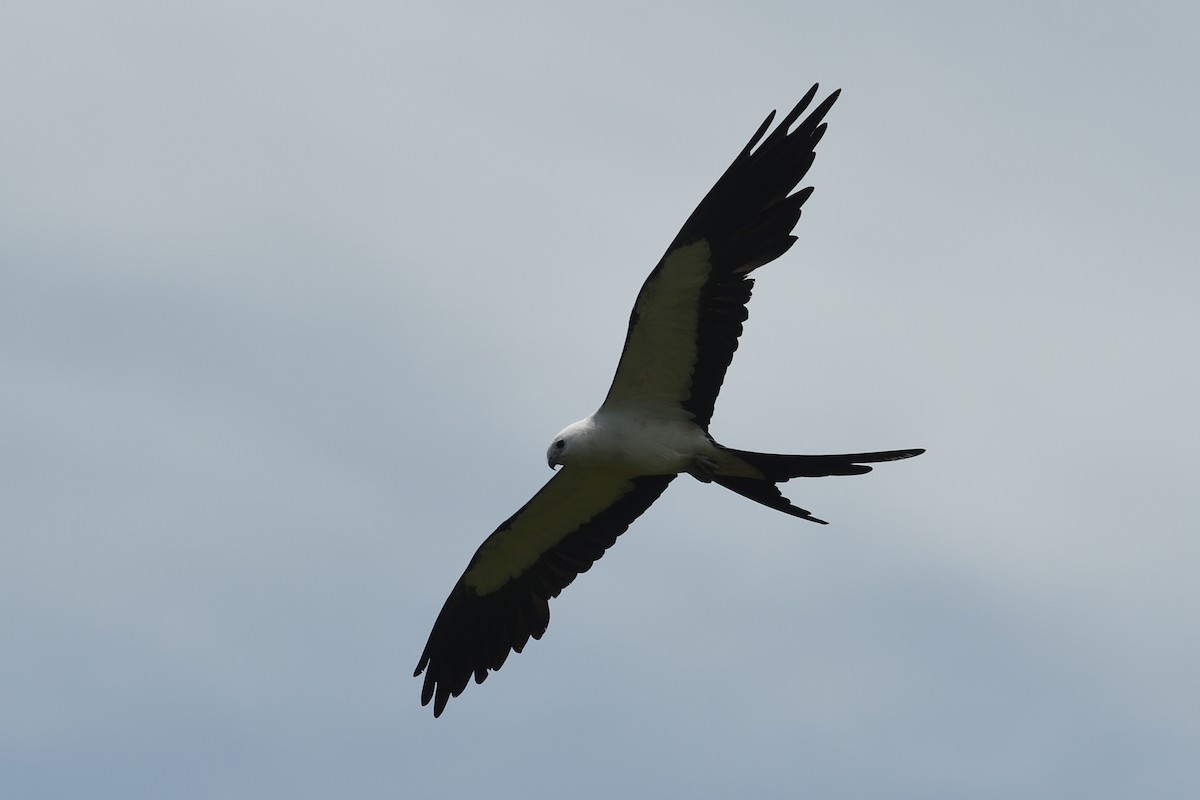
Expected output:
(560, 444)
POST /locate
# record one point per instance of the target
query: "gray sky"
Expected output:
(292, 298)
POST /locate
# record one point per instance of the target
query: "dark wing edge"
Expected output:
(474, 633)
(746, 219)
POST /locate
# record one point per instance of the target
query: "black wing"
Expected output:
(689, 313)
(503, 597)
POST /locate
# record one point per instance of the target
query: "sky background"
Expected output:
(294, 295)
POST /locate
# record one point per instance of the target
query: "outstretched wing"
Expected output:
(503, 597)
(689, 313)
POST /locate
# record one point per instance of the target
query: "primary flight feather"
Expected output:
(653, 425)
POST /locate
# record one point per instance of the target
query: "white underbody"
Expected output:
(635, 442)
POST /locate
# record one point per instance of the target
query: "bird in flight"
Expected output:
(653, 425)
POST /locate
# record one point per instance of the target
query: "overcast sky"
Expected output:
(293, 297)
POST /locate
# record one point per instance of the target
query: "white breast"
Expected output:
(635, 443)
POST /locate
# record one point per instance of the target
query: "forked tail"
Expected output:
(779, 468)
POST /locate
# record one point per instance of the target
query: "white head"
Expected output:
(568, 443)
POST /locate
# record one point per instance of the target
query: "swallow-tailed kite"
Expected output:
(653, 424)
